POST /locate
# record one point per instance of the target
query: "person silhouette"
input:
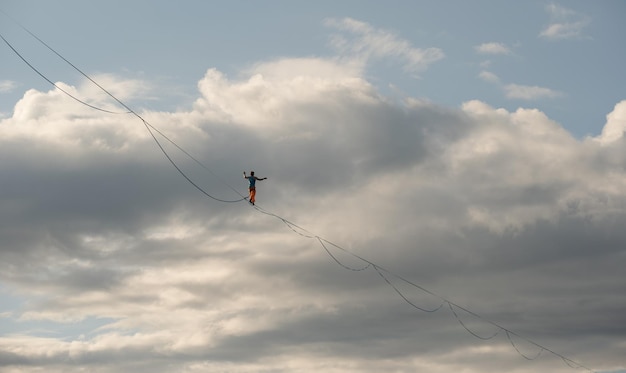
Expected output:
(252, 185)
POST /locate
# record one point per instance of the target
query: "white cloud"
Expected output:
(489, 77)
(364, 42)
(476, 203)
(7, 86)
(54, 118)
(493, 48)
(565, 23)
(557, 31)
(525, 92)
(274, 89)
(560, 12)
(615, 125)
(518, 91)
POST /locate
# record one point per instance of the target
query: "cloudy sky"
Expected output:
(446, 187)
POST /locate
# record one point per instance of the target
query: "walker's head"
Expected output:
(251, 173)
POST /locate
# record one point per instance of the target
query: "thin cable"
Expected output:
(129, 110)
(402, 295)
(54, 84)
(288, 223)
(508, 336)
(468, 329)
(64, 59)
(451, 304)
(340, 263)
(148, 126)
(571, 363)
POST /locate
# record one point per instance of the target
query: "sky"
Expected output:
(445, 192)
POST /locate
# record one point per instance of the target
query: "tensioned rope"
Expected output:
(382, 272)
(451, 305)
(151, 129)
(54, 84)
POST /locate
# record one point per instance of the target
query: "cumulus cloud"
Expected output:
(615, 126)
(503, 212)
(565, 23)
(364, 42)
